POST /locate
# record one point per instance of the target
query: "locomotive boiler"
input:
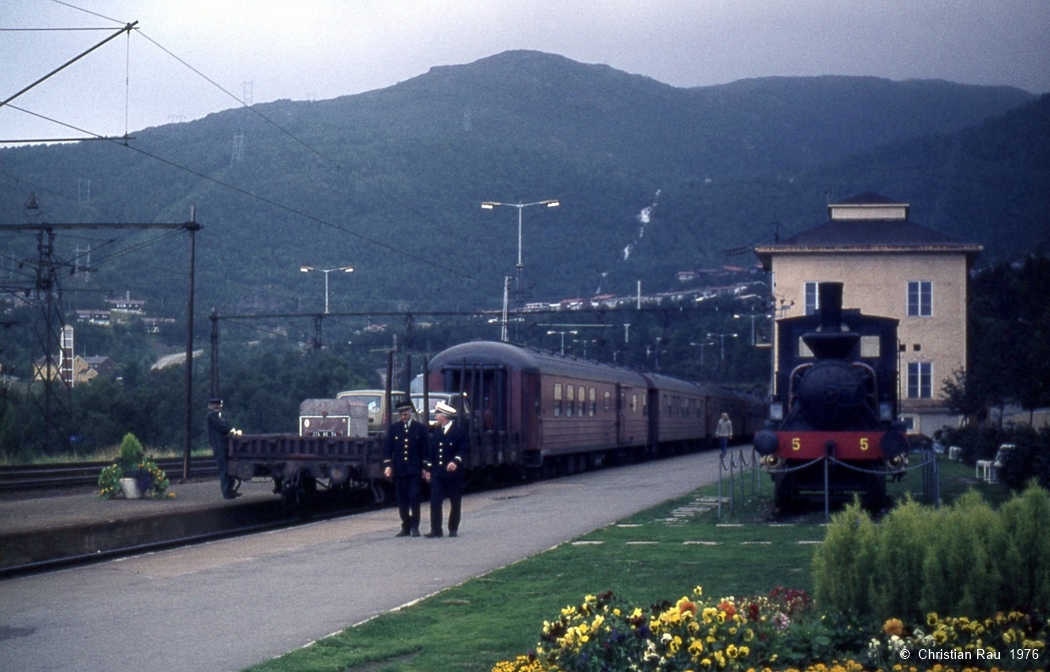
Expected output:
(833, 427)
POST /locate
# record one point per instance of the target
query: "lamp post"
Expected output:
(326, 271)
(701, 346)
(562, 333)
(722, 340)
(491, 205)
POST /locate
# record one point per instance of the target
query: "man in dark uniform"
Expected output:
(404, 452)
(449, 449)
(218, 429)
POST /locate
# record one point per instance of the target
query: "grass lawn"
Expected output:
(659, 554)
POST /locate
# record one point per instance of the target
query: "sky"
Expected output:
(188, 58)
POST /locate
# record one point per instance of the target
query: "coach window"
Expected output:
(536, 401)
(594, 401)
(557, 399)
(570, 399)
(608, 400)
(634, 403)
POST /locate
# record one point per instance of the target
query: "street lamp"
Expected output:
(551, 333)
(701, 346)
(722, 339)
(326, 271)
(491, 205)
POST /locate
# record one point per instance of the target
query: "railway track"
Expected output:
(78, 474)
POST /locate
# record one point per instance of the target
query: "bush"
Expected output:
(967, 558)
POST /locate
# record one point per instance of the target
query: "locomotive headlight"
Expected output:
(776, 412)
(886, 412)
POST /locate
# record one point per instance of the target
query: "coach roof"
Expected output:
(494, 353)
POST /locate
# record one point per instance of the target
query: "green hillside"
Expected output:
(390, 182)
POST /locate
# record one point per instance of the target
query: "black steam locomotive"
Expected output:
(833, 423)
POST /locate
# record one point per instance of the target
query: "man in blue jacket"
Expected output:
(218, 430)
(404, 452)
(449, 450)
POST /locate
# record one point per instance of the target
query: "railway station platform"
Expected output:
(47, 526)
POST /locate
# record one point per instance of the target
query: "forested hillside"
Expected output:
(391, 182)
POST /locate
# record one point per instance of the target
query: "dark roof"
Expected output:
(868, 198)
(880, 232)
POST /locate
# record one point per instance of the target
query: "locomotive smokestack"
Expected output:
(831, 342)
(830, 305)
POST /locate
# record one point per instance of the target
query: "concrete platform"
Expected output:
(54, 525)
(230, 603)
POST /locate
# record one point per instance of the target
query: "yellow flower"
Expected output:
(698, 591)
(731, 651)
(931, 618)
(893, 627)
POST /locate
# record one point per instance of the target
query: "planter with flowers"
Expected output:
(133, 475)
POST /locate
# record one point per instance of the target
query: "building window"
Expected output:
(812, 298)
(920, 298)
(920, 380)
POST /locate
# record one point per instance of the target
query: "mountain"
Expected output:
(651, 179)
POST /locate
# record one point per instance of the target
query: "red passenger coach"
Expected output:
(532, 409)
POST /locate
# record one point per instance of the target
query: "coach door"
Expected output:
(621, 410)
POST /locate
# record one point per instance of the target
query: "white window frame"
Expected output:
(919, 298)
(811, 297)
(921, 374)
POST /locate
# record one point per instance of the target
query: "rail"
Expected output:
(77, 474)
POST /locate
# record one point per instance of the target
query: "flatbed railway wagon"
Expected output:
(333, 450)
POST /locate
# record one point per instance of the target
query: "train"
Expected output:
(833, 430)
(528, 413)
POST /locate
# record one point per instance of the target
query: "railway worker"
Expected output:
(449, 449)
(404, 452)
(219, 429)
(724, 432)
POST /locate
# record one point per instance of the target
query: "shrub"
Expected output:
(967, 558)
(845, 564)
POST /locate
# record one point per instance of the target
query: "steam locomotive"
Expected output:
(833, 426)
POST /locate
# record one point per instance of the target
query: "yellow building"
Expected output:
(892, 267)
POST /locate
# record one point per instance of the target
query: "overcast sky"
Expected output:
(318, 49)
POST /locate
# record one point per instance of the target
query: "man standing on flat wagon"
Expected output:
(449, 449)
(219, 429)
(404, 452)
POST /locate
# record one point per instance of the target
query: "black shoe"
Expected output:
(231, 495)
(402, 533)
(415, 533)
(432, 535)
(451, 533)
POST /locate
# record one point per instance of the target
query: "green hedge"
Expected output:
(964, 559)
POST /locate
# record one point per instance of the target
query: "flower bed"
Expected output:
(780, 631)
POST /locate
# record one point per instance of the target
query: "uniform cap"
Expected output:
(445, 409)
(406, 406)
(215, 400)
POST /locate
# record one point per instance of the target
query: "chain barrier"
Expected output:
(732, 469)
(931, 483)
